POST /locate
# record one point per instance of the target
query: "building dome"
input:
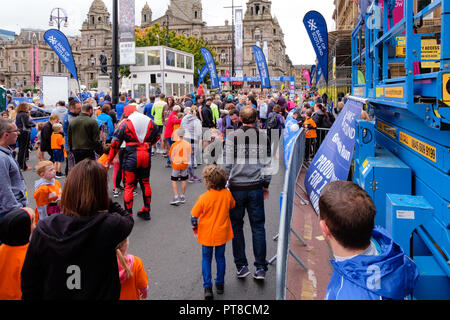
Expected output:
(98, 6)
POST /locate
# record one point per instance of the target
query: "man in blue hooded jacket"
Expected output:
(368, 264)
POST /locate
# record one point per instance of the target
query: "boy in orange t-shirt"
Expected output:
(311, 135)
(15, 230)
(57, 145)
(180, 154)
(211, 223)
(132, 275)
(48, 190)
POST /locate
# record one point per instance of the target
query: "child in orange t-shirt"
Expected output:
(48, 190)
(311, 135)
(180, 154)
(211, 223)
(15, 230)
(133, 278)
(57, 145)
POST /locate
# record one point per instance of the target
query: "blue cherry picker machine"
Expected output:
(402, 158)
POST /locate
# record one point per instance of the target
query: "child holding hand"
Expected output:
(211, 223)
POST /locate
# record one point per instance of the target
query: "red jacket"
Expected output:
(169, 124)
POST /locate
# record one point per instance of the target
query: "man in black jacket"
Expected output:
(46, 135)
(207, 114)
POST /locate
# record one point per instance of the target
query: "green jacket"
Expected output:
(215, 112)
(84, 134)
(157, 112)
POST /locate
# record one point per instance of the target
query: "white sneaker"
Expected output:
(182, 199)
(175, 201)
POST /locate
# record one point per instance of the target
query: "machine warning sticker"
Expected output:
(421, 147)
(390, 131)
(393, 92)
(403, 214)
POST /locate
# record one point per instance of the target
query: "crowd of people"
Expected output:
(81, 227)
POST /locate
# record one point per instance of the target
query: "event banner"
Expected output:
(312, 72)
(333, 159)
(59, 43)
(262, 67)
(210, 64)
(316, 27)
(127, 43)
(202, 74)
(238, 44)
(32, 65)
(307, 76)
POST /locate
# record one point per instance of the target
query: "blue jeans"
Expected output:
(253, 202)
(170, 141)
(207, 255)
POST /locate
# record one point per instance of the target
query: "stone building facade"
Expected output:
(15, 58)
(183, 16)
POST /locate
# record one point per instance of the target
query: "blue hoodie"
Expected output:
(356, 278)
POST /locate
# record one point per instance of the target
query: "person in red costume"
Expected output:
(139, 133)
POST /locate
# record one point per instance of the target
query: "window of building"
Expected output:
(53, 67)
(153, 57)
(99, 19)
(169, 91)
(16, 67)
(189, 63)
(170, 58)
(92, 20)
(23, 54)
(93, 42)
(196, 14)
(16, 54)
(176, 88)
(139, 90)
(180, 61)
(1, 64)
(24, 66)
(140, 58)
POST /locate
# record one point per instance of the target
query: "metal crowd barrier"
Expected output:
(287, 206)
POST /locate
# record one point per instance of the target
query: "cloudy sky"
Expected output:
(36, 14)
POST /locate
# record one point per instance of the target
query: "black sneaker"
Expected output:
(219, 288)
(243, 272)
(260, 274)
(144, 215)
(209, 294)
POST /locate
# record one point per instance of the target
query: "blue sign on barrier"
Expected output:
(333, 159)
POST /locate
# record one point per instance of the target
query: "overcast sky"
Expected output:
(35, 14)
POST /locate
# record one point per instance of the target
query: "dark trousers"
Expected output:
(23, 140)
(82, 154)
(253, 202)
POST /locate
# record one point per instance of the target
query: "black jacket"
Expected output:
(23, 122)
(46, 137)
(74, 258)
(207, 116)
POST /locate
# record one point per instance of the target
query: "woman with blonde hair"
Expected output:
(24, 126)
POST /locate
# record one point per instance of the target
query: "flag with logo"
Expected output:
(211, 65)
(317, 30)
(60, 45)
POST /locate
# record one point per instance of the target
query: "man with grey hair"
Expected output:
(84, 135)
(12, 188)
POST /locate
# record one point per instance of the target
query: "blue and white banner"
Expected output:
(334, 157)
(202, 74)
(262, 66)
(210, 64)
(319, 74)
(59, 43)
(316, 27)
(312, 72)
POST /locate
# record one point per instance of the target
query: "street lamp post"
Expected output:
(59, 15)
(232, 39)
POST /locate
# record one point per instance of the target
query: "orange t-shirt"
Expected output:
(138, 281)
(103, 159)
(57, 142)
(180, 153)
(11, 262)
(46, 194)
(214, 224)
(310, 133)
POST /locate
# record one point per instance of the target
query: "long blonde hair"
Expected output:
(120, 255)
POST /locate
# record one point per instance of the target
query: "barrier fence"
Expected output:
(293, 169)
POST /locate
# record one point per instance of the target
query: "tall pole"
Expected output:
(115, 54)
(59, 28)
(167, 30)
(233, 49)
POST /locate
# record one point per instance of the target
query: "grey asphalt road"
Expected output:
(169, 250)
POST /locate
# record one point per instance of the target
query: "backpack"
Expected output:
(272, 123)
